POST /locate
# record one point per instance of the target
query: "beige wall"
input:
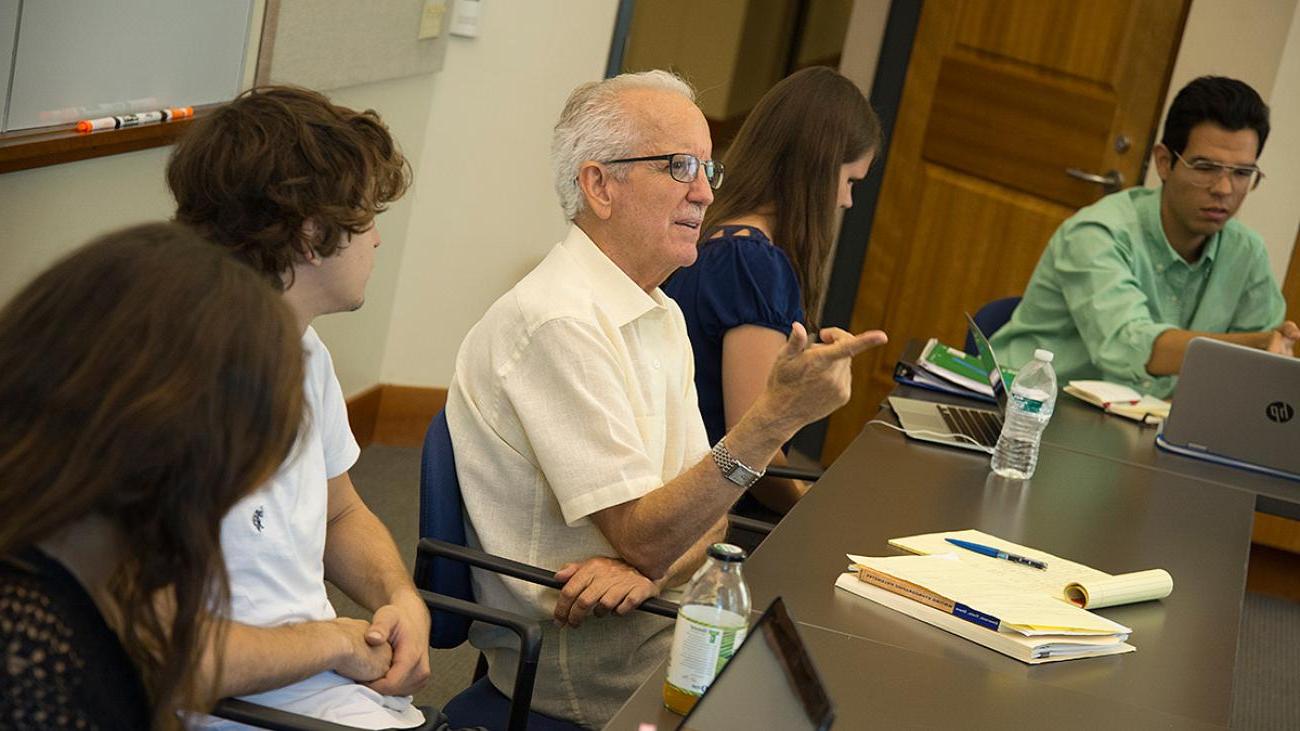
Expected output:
(824, 34)
(862, 41)
(48, 211)
(45, 213)
(484, 211)
(481, 213)
(1258, 42)
(1274, 208)
(357, 339)
(670, 34)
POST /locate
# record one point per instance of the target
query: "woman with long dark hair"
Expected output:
(766, 243)
(147, 382)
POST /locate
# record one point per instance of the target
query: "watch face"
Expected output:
(742, 476)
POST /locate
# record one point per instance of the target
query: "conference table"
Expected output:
(1102, 495)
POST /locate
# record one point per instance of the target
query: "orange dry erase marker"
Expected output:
(132, 120)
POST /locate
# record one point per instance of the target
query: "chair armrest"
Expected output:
(234, 709)
(752, 525)
(241, 711)
(522, 571)
(787, 472)
(530, 647)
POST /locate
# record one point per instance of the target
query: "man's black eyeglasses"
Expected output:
(684, 167)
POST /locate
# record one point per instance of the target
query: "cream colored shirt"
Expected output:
(574, 393)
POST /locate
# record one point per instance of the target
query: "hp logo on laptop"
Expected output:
(1279, 411)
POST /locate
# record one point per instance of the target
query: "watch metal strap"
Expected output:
(733, 469)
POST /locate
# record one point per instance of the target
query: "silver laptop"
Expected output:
(1236, 406)
(929, 421)
(769, 683)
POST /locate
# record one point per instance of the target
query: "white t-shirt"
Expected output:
(574, 393)
(274, 546)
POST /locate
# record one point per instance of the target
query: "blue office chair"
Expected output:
(442, 565)
(990, 318)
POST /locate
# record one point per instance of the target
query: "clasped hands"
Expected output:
(1283, 340)
(390, 653)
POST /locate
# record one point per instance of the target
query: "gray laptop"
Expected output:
(1236, 406)
(769, 683)
(929, 421)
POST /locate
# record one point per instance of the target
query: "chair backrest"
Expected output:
(990, 318)
(441, 516)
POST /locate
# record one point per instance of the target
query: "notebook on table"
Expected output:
(909, 371)
(942, 591)
(769, 683)
(1236, 406)
(929, 421)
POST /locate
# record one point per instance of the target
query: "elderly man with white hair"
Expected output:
(577, 431)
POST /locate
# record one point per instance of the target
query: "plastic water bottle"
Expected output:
(1033, 398)
(711, 624)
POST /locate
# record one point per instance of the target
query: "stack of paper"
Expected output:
(1033, 615)
(1029, 627)
(1118, 399)
(1063, 579)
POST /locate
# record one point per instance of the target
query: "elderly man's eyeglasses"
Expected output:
(683, 167)
(1206, 173)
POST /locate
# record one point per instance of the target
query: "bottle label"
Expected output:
(1026, 404)
(704, 640)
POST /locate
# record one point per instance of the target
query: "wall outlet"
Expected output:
(465, 18)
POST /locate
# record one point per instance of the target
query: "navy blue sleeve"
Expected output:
(743, 281)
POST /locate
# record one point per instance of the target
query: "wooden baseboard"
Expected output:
(1275, 532)
(394, 415)
(1274, 572)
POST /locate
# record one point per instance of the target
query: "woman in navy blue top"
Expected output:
(766, 245)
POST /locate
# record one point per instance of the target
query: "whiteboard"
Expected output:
(8, 28)
(77, 59)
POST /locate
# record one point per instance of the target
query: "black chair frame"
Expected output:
(530, 648)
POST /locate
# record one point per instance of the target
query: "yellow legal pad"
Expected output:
(1033, 615)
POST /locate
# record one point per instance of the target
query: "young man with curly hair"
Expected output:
(291, 184)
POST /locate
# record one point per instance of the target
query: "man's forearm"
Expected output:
(1171, 345)
(257, 659)
(362, 559)
(654, 531)
(685, 566)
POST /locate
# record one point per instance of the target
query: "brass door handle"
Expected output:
(1112, 181)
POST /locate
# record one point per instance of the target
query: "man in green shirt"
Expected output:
(1127, 282)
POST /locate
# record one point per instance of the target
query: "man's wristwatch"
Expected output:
(732, 468)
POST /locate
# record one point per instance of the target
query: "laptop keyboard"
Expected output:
(978, 424)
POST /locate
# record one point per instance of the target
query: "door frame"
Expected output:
(855, 228)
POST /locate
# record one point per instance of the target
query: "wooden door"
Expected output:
(1271, 530)
(1001, 97)
(1291, 285)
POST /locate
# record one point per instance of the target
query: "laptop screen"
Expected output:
(990, 364)
(769, 683)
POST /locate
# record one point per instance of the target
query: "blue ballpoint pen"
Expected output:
(996, 553)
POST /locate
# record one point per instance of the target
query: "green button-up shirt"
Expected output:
(1109, 283)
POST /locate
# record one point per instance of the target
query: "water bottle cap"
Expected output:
(727, 552)
(1043, 355)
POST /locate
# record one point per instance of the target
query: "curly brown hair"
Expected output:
(249, 176)
(131, 394)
